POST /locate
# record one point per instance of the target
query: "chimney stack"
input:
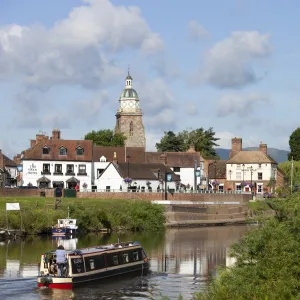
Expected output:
(191, 149)
(163, 158)
(263, 148)
(115, 159)
(55, 134)
(236, 146)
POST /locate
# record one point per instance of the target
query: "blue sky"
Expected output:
(232, 65)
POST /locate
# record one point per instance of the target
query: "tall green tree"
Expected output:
(106, 137)
(170, 142)
(294, 143)
(203, 141)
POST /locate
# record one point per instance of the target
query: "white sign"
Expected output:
(12, 206)
(32, 170)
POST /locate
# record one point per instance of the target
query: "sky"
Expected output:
(232, 65)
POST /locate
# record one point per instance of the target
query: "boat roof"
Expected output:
(101, 248)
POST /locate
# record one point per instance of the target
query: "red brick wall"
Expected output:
(134, 196)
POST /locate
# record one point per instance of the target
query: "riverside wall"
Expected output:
(213, 197)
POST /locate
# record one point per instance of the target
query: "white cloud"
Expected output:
(228, 64)
(77, 50)
(196, 31)
(192, 109)
(153, 137)
(158, 101)
(239, 104)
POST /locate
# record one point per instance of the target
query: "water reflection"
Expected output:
(181, 262)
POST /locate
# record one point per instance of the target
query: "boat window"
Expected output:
(125, 258)
(92, 264)
(135, 256)
(115, 260)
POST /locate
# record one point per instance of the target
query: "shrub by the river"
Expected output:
(38, 216)
(268, 265)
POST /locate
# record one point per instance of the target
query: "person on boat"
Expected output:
(60, 259)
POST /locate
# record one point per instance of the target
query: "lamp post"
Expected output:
(215, 163)
(128, 159)
(251, 172)
(243, 165)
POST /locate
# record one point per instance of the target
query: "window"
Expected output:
(70, 169)
(99, 172)
(135, 256)
(82, 169)
(221, 188)
(259, 188)
(107, 188)
(125, 258)
(79, 151)
(46, 150)
(238, 175)
(259, 176)
(131, 129)
(238, 187)
(115, 260)
(46, 168)
(62, 151)
(58, 168)
(92, 264)
(238, 167)
(176, 169)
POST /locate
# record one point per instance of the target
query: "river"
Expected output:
(181, 262)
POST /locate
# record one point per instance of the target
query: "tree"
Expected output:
(203, 141)
(294, 143)
(170, 143)
(106, 137)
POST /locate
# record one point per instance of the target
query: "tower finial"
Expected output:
(128, 70)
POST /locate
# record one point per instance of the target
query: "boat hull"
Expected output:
(62, 231)
(89, 277)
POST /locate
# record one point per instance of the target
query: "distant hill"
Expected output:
(277, 154)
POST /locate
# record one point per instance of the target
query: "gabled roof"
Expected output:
(175, 159)
(142, 171)
(137, 154)
(36, 152)
(8, 162)
(251, 157)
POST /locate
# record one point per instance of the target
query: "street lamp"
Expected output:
(243, 165)
(128, 158)
(251, 172)
(215, 163)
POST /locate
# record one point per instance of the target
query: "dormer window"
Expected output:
(62, 151)
(79, 151)
(103, 159)
(46, 150)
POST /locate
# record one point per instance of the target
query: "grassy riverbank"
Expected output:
(267, 259)
(39, 214)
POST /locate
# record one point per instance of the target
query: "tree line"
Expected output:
(201, 140)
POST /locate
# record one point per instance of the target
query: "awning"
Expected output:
(43, 179)
(72, 179)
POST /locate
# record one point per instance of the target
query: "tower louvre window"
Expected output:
(131, 129)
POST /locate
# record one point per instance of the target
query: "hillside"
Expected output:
(277, 154)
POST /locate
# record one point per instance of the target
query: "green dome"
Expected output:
(129, 77)
(129, 93)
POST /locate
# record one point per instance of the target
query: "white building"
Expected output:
(142, 178)
(53, 162)
(247, 170)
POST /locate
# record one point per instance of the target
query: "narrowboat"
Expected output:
(93, 263)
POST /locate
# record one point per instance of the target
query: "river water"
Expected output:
(181, 262)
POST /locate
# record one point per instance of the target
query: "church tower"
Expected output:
(129, 116)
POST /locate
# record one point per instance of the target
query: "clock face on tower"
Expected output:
(131, 104)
